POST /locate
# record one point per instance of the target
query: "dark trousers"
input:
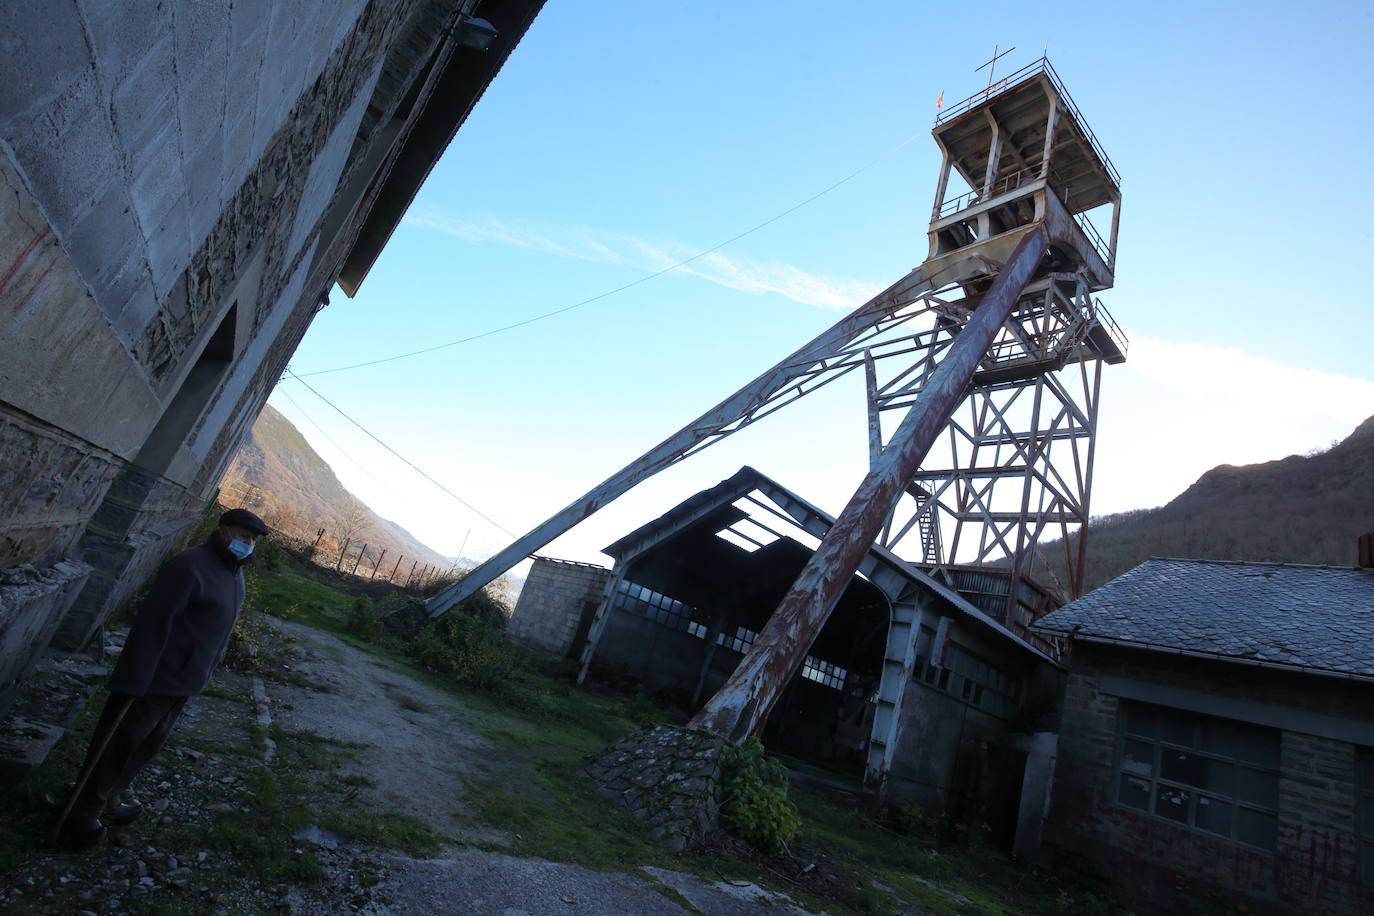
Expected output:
(134, 741)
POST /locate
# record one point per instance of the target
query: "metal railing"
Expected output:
(1094, 237)
(1028, 72)
(1001, 186)
(1105, 319)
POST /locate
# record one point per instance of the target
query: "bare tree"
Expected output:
(354, 521)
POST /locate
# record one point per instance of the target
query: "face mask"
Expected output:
(240, 549)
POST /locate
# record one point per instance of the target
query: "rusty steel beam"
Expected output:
(742, 704)
(711, 426)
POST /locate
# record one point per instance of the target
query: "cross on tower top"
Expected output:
(992, 64)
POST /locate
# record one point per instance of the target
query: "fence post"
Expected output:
(361, 554)
(392, 578)
(410, 576)
(378, 563)
(342, 551)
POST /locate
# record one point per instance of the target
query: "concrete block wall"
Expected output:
(161, 164)
(1170, 868)
(551, 602)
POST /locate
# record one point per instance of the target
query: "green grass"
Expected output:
(542, 729)
(292, 595)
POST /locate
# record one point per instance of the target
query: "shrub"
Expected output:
(267, 555)
(756, 808)
(363, 621)
(467, 643)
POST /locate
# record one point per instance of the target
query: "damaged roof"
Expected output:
(1318, 619)
(713, 508)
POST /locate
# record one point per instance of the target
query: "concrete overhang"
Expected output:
(463, 77)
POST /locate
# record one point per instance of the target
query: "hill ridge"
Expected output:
(1305, 509)
(277, 474)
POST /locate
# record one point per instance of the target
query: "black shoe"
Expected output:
(83, 832)
(120, 815)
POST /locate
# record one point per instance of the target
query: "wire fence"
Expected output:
(345, 550)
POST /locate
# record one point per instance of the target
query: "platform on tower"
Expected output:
(1024, 107)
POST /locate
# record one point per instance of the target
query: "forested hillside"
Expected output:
(278, 475)
(1301, 509)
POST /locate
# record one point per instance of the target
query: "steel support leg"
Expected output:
(741, 706)
(603, 610)
(899, 660)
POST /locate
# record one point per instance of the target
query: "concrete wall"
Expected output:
(1171, 868)
(941, 734)
(551, 603)
(166, 169)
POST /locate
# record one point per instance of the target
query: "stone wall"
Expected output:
(551, 603)
(1173, 868)
(33, 601)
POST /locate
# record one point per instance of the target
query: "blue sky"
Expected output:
(623, 137)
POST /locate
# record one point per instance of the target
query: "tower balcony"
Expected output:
(1026, 154)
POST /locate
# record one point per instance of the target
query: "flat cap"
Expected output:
(244, 519)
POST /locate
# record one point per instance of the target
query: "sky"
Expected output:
(621, 138)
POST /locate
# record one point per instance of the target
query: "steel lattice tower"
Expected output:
(982, 370)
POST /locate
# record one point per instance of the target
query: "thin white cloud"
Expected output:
(1251, 384)
(587, 244)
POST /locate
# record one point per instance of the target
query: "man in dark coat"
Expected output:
(178, 637)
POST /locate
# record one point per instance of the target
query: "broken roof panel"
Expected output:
(882, 568)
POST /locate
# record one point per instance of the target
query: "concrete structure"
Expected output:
(183, 184)
(691, 590)
(1216, 737)
(556, 605)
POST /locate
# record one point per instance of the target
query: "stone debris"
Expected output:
(668, 777)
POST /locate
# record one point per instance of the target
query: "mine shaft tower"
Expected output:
(982, 370)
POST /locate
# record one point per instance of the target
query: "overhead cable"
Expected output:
(469, 506)
(620, 289)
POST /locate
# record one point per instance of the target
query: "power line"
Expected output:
(341, 449)
(621, 289)
(407, 461)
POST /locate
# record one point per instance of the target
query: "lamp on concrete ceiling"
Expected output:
(472, 32)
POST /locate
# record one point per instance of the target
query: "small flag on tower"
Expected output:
(940, 102)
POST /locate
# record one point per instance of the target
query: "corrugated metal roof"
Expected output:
(1303, 617)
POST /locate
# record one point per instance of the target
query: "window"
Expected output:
(1214, 775)
(740, 642)
(636, 599)
(967, 677)
(1364, 789)
(823, 672)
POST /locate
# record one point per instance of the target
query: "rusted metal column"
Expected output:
(741, 706)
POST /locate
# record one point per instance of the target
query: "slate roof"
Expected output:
(1316, 618)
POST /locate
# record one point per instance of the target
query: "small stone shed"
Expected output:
(1218, 737)
(691, 589)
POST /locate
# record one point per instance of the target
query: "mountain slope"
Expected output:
(278, 475)
(1300, 509)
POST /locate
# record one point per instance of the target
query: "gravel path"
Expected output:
(417, 750)
(420, 753)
